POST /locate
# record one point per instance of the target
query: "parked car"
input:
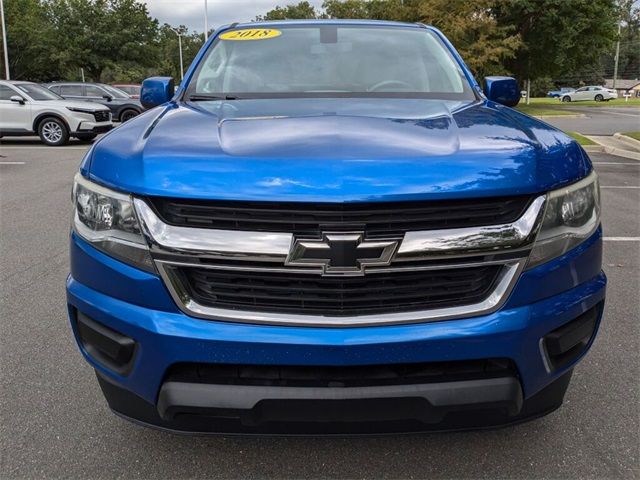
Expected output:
(122, 106)
(597, 93)
(30, 109)
(302, 241)
(131, 89)
(559, 93)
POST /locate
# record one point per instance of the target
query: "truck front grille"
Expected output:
(375, 219)
(336, 296)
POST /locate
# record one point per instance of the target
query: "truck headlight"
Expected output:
(108, 221)
(572, 215)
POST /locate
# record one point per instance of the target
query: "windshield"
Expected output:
(329, 60)
(117, 93)
(38, 92)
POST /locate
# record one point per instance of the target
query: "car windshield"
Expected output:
(116, 93)
(329, 60)
(38, 92)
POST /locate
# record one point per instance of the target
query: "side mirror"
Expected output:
(503, 90)
(156, 91)
(108, 98)
(17, 99)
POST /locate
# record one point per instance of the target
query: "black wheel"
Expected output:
(127, 115)
(53, 132)
(86, 137)
(599, 98)
(566, 98)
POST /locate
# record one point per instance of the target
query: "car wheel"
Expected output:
(599, 98)
(86, 137)
(127, 115)
(53, 132)
(566, 98)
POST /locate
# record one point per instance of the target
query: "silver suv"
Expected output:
(27, 108)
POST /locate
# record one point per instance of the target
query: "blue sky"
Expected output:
(191, 12)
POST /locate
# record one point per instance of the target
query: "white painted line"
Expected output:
(12, 163)
(619, 186)
(609, 112)
(39, 147)
(616, 163)
(621, 239)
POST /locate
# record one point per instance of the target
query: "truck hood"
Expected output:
(334, 150)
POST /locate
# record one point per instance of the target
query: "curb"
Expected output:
(612, 151)
(628, 140)
(593, 148)
(577, 115)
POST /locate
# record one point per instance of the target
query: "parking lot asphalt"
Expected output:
(55, 423)
(599, 120)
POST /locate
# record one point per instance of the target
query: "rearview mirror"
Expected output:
(17, 99)
(108, 98)
(503, 90)
(156, 91)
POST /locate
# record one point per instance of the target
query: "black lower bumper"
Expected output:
(204, 408)
(96, 129)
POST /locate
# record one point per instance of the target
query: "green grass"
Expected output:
(542, 110)
(581, 139)
(635, 135)
(552, 106)
(554, 102)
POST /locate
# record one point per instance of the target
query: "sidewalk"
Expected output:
(614, 146)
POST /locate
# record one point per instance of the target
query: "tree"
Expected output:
(97, 34)
(30, 41)
(475, 30)
(169, 53)
(471, 26)
(294, 11)
(558, 36)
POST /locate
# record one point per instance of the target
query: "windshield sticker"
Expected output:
(251, 34)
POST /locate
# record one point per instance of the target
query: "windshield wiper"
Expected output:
(195, 98)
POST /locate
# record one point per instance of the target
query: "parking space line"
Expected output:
(619, 186)
(621, 239)
(616, 163)
(39, 147)
(12, 163)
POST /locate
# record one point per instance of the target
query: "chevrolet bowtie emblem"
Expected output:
(341, 253)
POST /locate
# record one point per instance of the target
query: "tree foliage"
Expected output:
(295, 11)
(53, 39)
(527, 38)
(558, 36)
(31, 41)
(117, 40)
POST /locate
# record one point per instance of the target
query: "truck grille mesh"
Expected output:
(313, 218)
(283, 292)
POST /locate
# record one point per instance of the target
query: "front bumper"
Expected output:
(137, 305)
(91, 127)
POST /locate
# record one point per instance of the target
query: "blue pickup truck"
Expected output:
(330, 227)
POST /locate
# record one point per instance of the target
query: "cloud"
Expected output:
(221, 12)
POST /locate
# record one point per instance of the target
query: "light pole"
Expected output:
(615, 67)
(4, 43)
(179, 48)
(206, 21)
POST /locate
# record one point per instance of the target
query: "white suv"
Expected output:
(27, 108)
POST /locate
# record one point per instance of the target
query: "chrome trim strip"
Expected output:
(493, 302)
(319, 271)
(227, 243)
(274, 246)
(428, 243)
